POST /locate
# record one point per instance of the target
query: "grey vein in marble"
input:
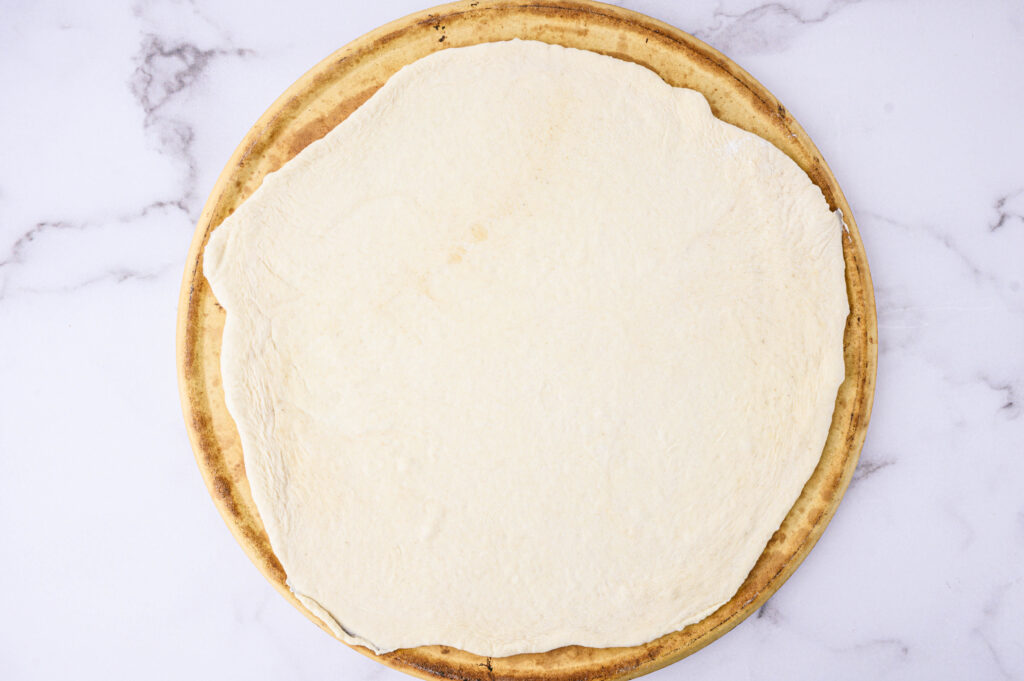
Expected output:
(16, 255)
(978, 272)
(117, 275)
(19, 255)
(1010, 408)
(1009, 209)
(767, 28)
(769, 612)
(896, 645)
(988, 613)
(163, 72)
(868, 467)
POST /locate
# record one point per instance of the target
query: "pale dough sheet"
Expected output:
(529, 351)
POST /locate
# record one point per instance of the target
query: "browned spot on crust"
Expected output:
(318, 128)
(225, 491)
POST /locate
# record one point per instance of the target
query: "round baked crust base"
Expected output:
(334, 88)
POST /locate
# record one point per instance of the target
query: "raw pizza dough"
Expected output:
(529, 351)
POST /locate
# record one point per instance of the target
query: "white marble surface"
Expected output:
(116, 119)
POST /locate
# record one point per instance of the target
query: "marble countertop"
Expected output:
(118, 117)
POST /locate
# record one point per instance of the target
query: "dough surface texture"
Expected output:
(529, 351)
